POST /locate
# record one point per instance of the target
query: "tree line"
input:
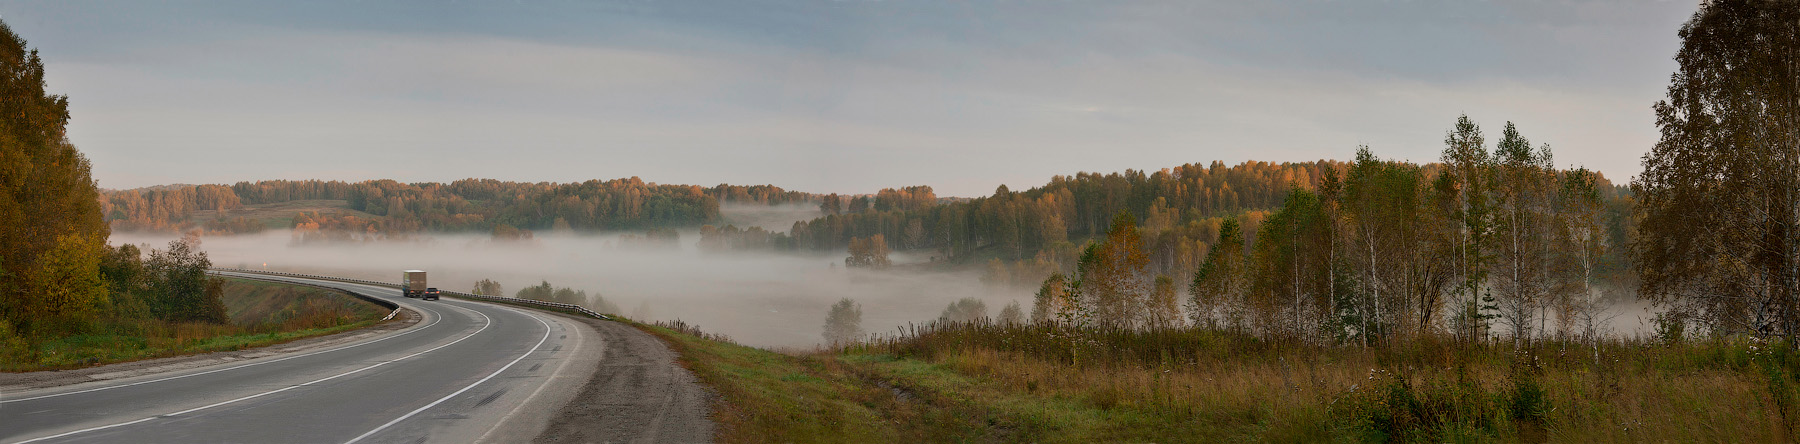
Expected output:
(1181, 211)
(1379, 249)
(1020, 224)
(888, 199)
(166, 208)
(463, 205)
(547, 293)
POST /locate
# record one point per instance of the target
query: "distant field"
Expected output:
(281, 215)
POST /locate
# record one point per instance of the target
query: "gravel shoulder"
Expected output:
(16, 382)
(639, 394)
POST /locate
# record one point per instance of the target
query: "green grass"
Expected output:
(773, 397)
(271, 306)
(263, 314)
(85, 350)
(1032, 415)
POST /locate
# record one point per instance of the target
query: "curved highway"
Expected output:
(466, 372)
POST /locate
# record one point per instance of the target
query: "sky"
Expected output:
(833, 96)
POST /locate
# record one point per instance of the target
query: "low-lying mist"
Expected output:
(769, 217)
(766, 299)
(759, 299)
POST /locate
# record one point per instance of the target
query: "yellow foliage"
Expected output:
(66, 280)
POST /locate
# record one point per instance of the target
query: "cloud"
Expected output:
(837, 98)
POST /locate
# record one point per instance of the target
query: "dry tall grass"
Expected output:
(1052, 383)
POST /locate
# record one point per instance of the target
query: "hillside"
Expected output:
(261, 306)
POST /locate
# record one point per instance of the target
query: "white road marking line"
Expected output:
(434, 313)
(464, 389)
(548, 381)
(488, 323)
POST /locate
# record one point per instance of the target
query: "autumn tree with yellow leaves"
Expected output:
(51, 230)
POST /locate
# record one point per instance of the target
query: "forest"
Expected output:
(1376, 250)
(463, 205)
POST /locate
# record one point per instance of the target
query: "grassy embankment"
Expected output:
(773, 397)
(262, 314)
(1041, 384)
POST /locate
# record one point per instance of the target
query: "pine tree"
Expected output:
(1049, 299)
(1217, 292)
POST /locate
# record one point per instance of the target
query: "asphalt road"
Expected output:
(467, 372)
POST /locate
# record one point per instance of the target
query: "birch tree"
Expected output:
(1524, 275)
(1163, 311)
(843, 324)
(1116, 283)
(1719, 198)
(1582, 246)
(1291, 276)
(1395, 243)
(1468, 176)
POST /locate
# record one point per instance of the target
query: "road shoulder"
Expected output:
(639, 393)
(534, 413)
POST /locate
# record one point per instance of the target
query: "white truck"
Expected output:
(412, 285)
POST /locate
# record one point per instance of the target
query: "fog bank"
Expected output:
(759, 299)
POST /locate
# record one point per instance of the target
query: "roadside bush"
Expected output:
(1392, 406)
(1775, 359)
(1527, 402)
(14, 348)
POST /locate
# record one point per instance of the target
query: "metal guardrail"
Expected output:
(571, 307)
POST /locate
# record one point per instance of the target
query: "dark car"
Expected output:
(431, 294)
